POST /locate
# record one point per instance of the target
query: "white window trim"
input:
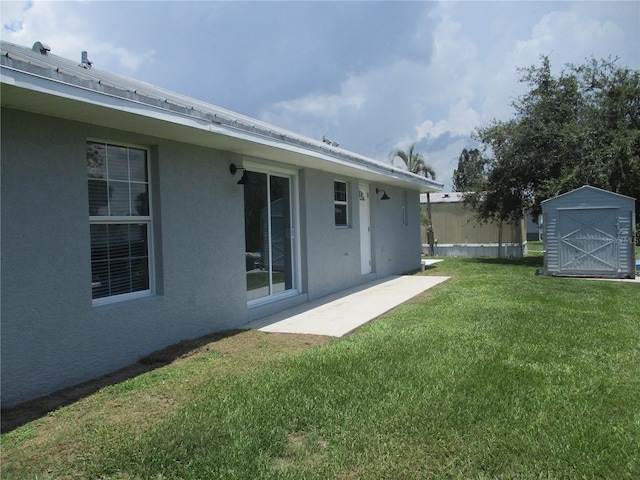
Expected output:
(340, 202)
(150, 266)
(258, 167)
(148, 220)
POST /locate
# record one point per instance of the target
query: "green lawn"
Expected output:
(496, 373)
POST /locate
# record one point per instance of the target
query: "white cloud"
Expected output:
(369, 109)
(461, 121)
(454, 58)
(563, 35)
(326, 107)
(453, 67)
(68, 28)
(127, 58)
(22, 22)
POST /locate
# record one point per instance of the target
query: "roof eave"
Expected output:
(47, 95)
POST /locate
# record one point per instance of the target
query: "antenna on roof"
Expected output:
(41, 48)
(85, 60)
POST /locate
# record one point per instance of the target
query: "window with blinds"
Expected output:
(119, 221)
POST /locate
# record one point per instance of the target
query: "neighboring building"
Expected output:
(589, 232)
(124, 228)
(458, 233)
(534, 229)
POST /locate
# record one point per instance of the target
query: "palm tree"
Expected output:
(414, 161)
(415, 164)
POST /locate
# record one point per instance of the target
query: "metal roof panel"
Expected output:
(48, 74)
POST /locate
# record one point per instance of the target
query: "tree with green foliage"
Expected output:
(581, 127)
(470, 174)
(414, 161)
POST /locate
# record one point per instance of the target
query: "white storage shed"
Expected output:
(589, 232)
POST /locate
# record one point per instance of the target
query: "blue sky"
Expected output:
(372, 76)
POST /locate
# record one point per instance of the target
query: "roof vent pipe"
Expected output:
(85, 60)
(41, 48)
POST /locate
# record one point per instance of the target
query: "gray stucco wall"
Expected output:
(52, 336)
(333, 253)
(396, 246)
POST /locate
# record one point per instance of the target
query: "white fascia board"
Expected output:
(367, 169)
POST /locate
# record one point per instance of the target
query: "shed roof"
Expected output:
(591, 189)
(35, 80)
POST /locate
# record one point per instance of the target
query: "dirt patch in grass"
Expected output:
(244, 348)
(302, 451)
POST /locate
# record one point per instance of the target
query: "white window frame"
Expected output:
(255, 165)
(120, 220)
(341, 203)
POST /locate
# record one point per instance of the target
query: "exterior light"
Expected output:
(384, 194)
(233, 169)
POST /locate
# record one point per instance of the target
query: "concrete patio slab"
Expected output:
(430, 261)
(339, 314)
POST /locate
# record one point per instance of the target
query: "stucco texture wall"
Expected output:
(396, 245)
(332, 253)
(51, 333)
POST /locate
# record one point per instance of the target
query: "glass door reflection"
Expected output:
(268, 239)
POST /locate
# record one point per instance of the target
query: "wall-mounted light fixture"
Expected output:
(233, 169)
(384, 194)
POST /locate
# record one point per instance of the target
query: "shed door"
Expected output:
(588, 241)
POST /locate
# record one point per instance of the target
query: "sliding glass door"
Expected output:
(268, 234)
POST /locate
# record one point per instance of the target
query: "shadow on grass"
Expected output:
(19, 415)
(531, 261)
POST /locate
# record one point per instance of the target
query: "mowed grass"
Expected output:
(496, 373)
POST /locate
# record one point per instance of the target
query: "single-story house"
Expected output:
(134, 217)
(458, 233)
(589, 232)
